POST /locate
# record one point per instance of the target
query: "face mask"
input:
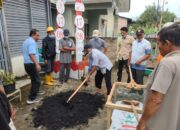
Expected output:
(66, 37)
(52, 36)
(95, 37)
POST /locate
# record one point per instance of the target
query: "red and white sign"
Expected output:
(59, 33)
(60, 6)
(79, 7)
(60, 20)
(79, 21)
(79, 35)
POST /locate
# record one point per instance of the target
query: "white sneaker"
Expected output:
(41, 93)
(33, 101)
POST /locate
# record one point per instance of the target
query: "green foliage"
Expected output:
(147, 29)
(150, 19)
(168, 16)
(7, 78)
(150, 16)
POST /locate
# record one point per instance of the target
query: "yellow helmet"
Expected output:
(50, 29)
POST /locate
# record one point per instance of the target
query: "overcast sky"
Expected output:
(138, 7)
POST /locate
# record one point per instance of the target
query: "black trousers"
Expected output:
(5, 113)
(138, 76)
(99, 78)
(121, 65)
(49, 66)
(35, 80)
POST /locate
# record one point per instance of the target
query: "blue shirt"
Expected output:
(139, 50)
(30, 47)
(97, 43)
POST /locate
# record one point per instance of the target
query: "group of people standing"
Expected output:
(133, 54)
(130, 52)
(31, 60)
(162, 87)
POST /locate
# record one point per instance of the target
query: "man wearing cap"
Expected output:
(66, 46)
(141, 52)
(49, 53)
(103, 67)
(123, 49)
(97, 43)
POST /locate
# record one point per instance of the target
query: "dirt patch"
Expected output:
(54, 115)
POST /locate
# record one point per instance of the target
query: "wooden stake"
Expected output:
(109, 112)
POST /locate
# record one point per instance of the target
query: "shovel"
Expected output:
(75, 92)
(132, 83)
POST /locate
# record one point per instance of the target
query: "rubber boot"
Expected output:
(51, 78)
(47, 80)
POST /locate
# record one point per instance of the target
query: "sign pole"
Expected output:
(79, 35)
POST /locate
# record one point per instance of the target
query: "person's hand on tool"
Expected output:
(45, 62)
(38, 67)
(138, 62)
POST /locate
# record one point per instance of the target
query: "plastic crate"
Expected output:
(148, 71)
(41, 60)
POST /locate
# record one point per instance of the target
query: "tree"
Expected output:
(150, 19)
(168, 16)
(151, 16)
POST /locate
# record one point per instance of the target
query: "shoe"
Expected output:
(51, 78)
(33, 101)
(48, 80)
(41, 93)
(60, 83)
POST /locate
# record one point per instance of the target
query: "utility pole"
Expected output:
(158, 6)
(162, 11)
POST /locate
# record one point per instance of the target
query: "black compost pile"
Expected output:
(54, 114)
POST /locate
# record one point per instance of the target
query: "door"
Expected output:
(3, 46)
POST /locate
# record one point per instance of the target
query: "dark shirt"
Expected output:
(5, 113)
(48, 48)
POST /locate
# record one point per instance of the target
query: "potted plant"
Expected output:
(8, 81)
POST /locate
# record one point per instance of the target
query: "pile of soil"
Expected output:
(54, 114)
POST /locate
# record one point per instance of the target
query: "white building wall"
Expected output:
(69, 21)
(18, 66)
(110, 22)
